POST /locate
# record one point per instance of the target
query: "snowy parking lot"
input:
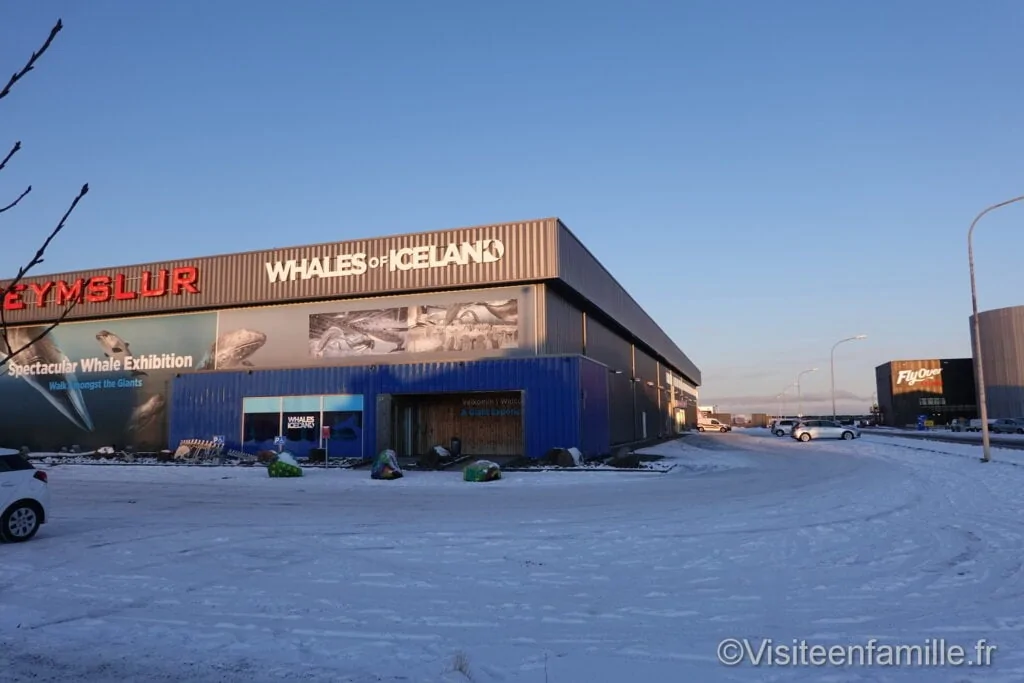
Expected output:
(222, 574)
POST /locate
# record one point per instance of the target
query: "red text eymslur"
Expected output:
(101, 288)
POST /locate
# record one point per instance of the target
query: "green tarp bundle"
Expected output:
(482, 470)
(386, 466)
(284, 465)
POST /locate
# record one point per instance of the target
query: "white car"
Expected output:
(783, 426)
(1006, 426)
(824, 429)
(24, 497)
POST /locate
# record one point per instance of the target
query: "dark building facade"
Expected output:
(941, 389)
(510, 337)
(1002, 355)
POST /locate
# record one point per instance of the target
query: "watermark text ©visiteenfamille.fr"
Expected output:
(932, 652)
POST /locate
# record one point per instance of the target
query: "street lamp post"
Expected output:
(799, 393)
(782, 399)
(833, 367)
(979, 370)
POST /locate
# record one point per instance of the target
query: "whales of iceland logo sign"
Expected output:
(300, 422)
(930, 377)
(455, 254)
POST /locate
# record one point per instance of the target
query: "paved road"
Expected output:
(947, 437)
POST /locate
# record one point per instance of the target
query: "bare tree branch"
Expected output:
(14, 150)
(31, 60)
(14, 285)
(42, 335)
(23, 271)
(15, 202)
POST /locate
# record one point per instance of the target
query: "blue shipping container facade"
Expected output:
(564, 398)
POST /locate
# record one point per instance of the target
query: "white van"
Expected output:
(711, 424)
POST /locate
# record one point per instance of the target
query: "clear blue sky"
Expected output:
(764, 178)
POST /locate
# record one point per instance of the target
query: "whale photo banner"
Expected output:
(100, 383)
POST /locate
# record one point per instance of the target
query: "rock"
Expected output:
(386, 466)
(629, 461)
(429, 461)
(482, 470)
(564, 457)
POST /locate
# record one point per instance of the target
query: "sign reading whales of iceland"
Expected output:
(455, 254)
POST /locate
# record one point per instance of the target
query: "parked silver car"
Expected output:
(1006, 426)
(783, 426)
(824, 429)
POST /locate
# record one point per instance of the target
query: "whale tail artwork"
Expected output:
(64, 393)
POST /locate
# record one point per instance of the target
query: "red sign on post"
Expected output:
(325, 432)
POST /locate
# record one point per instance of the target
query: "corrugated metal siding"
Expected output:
(562, 327)
(578, 268)
(646, 370)
(242, 279)
(883, 387)
(1002, 355)
(205, 404)
(609, 348)
(595, 435)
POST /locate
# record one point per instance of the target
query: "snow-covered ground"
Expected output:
(222, 574)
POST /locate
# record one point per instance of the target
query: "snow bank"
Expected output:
(885, 444)
(684, 456)
(288, 459)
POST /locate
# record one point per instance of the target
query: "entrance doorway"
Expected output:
(488, 424)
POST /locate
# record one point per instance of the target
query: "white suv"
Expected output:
(783, 427)
(24, 497)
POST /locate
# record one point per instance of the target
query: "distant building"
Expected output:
(1002, 355)
(941, 389)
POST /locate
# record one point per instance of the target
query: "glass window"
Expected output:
(259, 431)
(343, 416)
(301, 424)
(302, 404)
(261, 404)
(261, 422)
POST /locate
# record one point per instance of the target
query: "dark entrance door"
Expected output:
(488, 424)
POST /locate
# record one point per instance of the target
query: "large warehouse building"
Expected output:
(511, 338)
(940, 389)
(1002, 356)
